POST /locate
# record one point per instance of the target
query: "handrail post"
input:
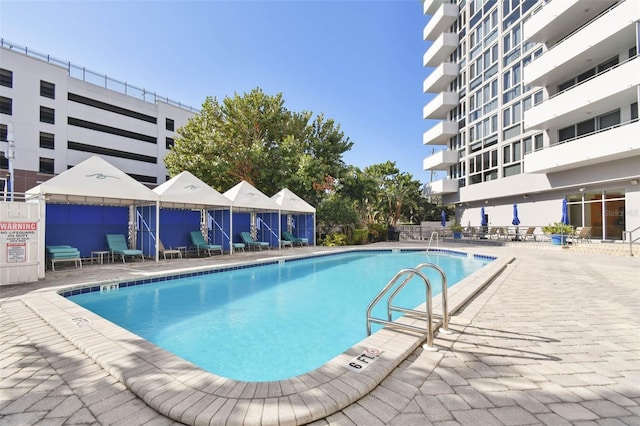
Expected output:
(445, 297)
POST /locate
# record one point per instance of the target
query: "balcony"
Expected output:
(555, 19)
(601, 93)
(445, 186)
(440, 133)
(440, 50)
(439, 79)
(440, 106)
(429, 7)
(599, 147)
(440, 21)
(440, 160)
(585, 48)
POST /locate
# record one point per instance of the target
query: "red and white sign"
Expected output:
(15, 236)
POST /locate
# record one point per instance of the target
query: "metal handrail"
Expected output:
(431, 238)
(631, 240)
(411, 272)
(445, 297)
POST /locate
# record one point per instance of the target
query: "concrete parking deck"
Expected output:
(553, 340)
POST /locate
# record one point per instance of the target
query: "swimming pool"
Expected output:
(269, 322)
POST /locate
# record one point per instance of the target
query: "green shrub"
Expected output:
(377, 232)
(337, 239)
(360, 236)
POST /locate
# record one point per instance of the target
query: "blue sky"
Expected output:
(358, 62)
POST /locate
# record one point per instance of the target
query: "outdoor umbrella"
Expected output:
(516, 220)
(483, 219)
(565, 212)
(443, 220)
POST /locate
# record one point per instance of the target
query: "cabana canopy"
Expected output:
(244, 196)
(94, 181)
(187, 191)
(290, 202)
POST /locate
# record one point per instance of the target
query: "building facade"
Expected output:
(534, 102)
(59, 114)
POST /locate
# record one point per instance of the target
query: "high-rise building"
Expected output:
(60, 114)
(535, 102)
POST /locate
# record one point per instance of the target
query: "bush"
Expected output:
(336, 239)
(360, 236)
(377, 232)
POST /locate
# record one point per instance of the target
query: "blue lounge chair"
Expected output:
(200, 244)
(118, 246)
(63, 254)
(251, 243)
(295, 240)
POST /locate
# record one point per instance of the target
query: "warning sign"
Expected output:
(16, 236)
(18, 232)
(16, 253)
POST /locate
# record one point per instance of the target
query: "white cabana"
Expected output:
(246, 198)
(187, 192)
(291, 204)
(90, 200)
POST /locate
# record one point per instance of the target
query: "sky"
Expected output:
(357, 62)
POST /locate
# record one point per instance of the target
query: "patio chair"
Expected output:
(251, 243)
(295, 240)
(200, 244)
(118, 246)
(170, 251)
(63, 254)
(529, 234)
(582, 234)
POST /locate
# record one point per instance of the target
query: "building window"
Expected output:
(47, 115)
(6, 78)
(3, 132)
(634, 111)
(47, 140)
(48, 90)
(6, 105)
(170, 125)
(169, 142)
(46, 166)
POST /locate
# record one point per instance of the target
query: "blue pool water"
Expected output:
(270, 322)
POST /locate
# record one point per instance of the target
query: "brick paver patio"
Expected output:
(555, 339)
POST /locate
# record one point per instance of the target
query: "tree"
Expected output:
(396, 190)
(255, 138)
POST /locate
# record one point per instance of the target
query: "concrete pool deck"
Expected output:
(552, 340)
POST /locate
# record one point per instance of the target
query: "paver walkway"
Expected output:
(554, 340)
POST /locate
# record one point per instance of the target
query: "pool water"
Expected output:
(271, 322)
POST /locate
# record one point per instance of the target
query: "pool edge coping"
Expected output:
(186, 393)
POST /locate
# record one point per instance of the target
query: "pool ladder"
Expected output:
(427, 315)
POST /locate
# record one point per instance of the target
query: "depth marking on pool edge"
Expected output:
(366, 358)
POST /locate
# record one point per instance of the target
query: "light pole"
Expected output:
(10, 154)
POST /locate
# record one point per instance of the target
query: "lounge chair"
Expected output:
(63, 254)
(251, 243)
(286, 243)
(170, 251)
(295, 240)
(529, 234)
(200, 244)
(118, 246)
(582, 234)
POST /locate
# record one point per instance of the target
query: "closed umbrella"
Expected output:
(516, 220)
(483, 222)
(565, 212)
(443, 218)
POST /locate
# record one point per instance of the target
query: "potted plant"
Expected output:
(559, 232)
(457, 229)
